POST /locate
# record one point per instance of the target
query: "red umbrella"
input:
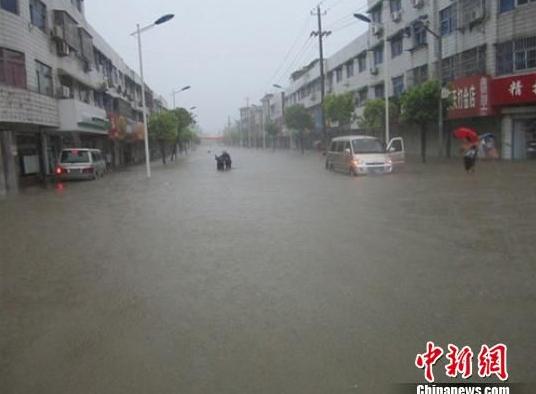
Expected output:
(465, 133)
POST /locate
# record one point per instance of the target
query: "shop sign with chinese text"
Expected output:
(470, 97)
(517, 89)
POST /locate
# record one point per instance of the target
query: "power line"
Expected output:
(291, 49)
(309, 44)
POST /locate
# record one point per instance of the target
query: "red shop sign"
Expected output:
(470, 97)
(518, 89)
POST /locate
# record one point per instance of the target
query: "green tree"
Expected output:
(183, 120)
(340, 108)
(297, 118)
(419, 105)
(272, 130)
(373, 118)
(163, 129)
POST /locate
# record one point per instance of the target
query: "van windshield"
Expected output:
(367, 146)
(74, 156)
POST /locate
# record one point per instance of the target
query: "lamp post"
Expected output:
(138, 32)
(366, 19)
(175, 92)
(423, 22)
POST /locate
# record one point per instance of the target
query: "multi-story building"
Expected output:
(251, 126)
(488, 62)
(61, 85)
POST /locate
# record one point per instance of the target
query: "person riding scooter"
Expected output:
(223, 162)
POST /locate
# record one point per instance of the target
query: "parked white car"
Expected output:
(80, 164)
(360, 154)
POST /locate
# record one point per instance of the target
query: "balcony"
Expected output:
(81, 117)
(25, 106)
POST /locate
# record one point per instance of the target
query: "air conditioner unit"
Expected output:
(377, 30)
(64, 92)
(374, 70)
(63, 49)
(417, 3)
(57, 32)
(396, 16)
(476, 14)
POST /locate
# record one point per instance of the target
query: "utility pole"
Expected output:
(321, 34)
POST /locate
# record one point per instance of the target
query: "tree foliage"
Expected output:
(170, 128)
(272, 130)
(299, 119)
(340, 108)
(419, 106)
(374, 114)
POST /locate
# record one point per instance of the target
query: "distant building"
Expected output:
(62, 85)
(488, 64)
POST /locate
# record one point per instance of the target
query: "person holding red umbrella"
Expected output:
(471, 149)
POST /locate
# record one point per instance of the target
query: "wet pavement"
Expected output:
(275, 277)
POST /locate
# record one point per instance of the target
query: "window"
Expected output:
(525, 53)
(506, 5)
(419, 35)
(396, 5)
(86, 46)
(12, 68)
(350, 69)
(470, 62)
(367, 145)
(10, 5)
(44, 78)
(448, 20)
(38, 14)
(378, 55)
(517, 55)
(362, 62)
(398, 86)
(505, 58)
(379, 91)
(338, 73)
(396, 46)
(376, 15)
(420, 74)
(362, 97)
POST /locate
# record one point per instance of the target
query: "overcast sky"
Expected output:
(226, 50)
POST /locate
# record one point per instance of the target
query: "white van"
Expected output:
(80, 164)
(360, 154)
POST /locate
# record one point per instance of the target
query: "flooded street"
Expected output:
(275, 277)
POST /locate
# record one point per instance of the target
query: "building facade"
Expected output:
(62, 85)
(484, 51)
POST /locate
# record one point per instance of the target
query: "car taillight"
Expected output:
(59, 170)
(88, 170)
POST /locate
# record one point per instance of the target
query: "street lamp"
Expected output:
(423, 23)
(138, 32)
(175, 92)
(193, 108)
(366, 19)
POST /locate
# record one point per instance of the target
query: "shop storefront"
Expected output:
(471, 106)
(514, 98)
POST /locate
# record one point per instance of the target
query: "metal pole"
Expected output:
(440, 77)
(322, 75)
(174, 94)
(145, 131)
(386, 89)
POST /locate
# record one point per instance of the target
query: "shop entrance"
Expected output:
(524, 139)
